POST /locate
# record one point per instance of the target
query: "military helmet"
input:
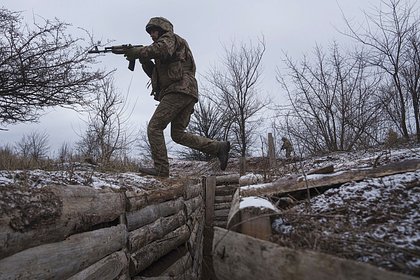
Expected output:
(159, 22)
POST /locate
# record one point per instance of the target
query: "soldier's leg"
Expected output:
(180, 136)
(168, 108)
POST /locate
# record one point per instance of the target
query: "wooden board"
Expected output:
(296, 183)
(238, 256)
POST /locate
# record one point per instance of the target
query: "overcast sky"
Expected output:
(294, 27)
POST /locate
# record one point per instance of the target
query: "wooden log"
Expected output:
(197, 248)
(63, 259)
(157, 268)
(31, 217)
(223, 198)
(221, 224)
(193, 203)
(251, 179)
(196, 226)
(227, 179)
(192, 191)
(251, 216)
(158, 229)
(221, 206)
(111, 267)
(238, 256)
(221, 213)
(139, 199)
(141, 259)
(182, 277)
(151, 213)
(179, 267)
(322, 170)
(296, 183)
(226, 190)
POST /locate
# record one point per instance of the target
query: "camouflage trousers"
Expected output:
(176, 109)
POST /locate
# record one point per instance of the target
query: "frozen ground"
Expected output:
(376, 220)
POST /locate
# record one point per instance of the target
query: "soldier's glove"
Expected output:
(132, 53)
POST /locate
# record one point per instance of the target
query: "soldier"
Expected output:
(287, 146)
(169, 62)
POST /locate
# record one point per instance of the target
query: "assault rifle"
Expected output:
(121, 49)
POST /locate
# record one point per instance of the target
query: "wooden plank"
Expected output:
(109, 268)
(31, 217)
(208, 229)
(210, 194)
(63, 259)
(271, 151)
(242, 166)
(151, 213)
(238, 256)
(295, 183)
(234, 218)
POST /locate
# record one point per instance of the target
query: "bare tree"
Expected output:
(143, 144)
(411, 74)
(334, 106)
(388, 35)
(234, 87)
(41, 66)
(34, 146)
(65, 153)
(207, 121)
(107, 134)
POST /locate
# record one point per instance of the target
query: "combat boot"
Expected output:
(223, 154)
(152, 171)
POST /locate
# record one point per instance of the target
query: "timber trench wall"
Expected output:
(76, 232)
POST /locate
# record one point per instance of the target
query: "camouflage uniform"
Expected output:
(172, 72)
(287, 146)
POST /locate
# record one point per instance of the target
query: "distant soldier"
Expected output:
(287, 146)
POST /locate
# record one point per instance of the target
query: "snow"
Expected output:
(250, 179)
(257, 202)
(85, 177)
(376, 220)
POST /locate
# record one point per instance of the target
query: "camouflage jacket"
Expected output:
(173, 69)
